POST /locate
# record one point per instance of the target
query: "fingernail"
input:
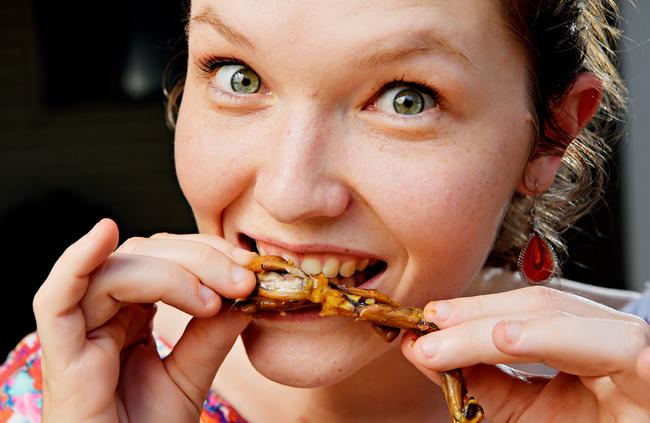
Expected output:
(513, 331)
(207, 294)
(441, 312)
(239, 275)
(243, 257)
(429, 347)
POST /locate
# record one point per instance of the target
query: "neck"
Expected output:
(387, 389)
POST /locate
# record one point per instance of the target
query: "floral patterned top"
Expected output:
(21, 387)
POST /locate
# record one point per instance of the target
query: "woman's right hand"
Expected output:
(94, 320)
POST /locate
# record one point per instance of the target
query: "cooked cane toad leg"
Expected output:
(387, 333)
(462, 408)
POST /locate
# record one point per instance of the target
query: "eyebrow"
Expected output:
(210, 17)
(403, 47)
(395, 48)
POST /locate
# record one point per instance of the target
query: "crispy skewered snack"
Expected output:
(282, 287)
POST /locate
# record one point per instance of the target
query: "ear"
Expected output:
(571, 114)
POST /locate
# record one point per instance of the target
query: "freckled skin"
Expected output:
(315, 167)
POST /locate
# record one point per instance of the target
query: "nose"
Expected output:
(298, 178)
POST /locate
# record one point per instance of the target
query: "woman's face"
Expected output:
(345, 131)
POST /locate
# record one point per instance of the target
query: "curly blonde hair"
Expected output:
(564, 38)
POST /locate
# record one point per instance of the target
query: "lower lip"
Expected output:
(312, 313)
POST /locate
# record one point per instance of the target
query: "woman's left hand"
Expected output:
(602, 355)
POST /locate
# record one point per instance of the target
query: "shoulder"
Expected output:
(217, 410)
(21, 383)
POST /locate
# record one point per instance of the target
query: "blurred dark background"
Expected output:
(83, 136)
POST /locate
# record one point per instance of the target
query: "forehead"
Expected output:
(462, 27)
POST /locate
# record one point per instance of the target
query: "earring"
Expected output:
(537, 260)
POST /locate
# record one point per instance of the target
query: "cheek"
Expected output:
(445, 207)
(212, 169)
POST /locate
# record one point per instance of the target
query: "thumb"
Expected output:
(194, 361)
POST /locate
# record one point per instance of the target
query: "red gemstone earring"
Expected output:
(537, 260)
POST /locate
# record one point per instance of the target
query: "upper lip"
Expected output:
(315, 248)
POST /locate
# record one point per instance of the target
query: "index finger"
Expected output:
(60, 323)
(239, 255)
(447, 313)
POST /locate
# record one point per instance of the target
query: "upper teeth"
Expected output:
(313, 264)
(348, 268)
(331, 267)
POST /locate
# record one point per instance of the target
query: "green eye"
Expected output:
(405, 100)
(245, 81)
(408, 102)
(238, 79)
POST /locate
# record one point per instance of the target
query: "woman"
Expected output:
(411, 134)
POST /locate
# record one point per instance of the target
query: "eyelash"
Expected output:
(418, 85)
(209, 64)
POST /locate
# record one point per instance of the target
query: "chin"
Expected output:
(310, 354)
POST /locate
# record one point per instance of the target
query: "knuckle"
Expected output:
(64, 259)
(177, 278)
(206, 255)
(472, 345)
(40, 300)
(481, 307)
(131, 245)
(476, 338)
(543, 296)
(229, 248)
(636, 337)
(555, 313)
(69, 250)
(633, 318)
(174, 272)
(161, 235)
(37, 302)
